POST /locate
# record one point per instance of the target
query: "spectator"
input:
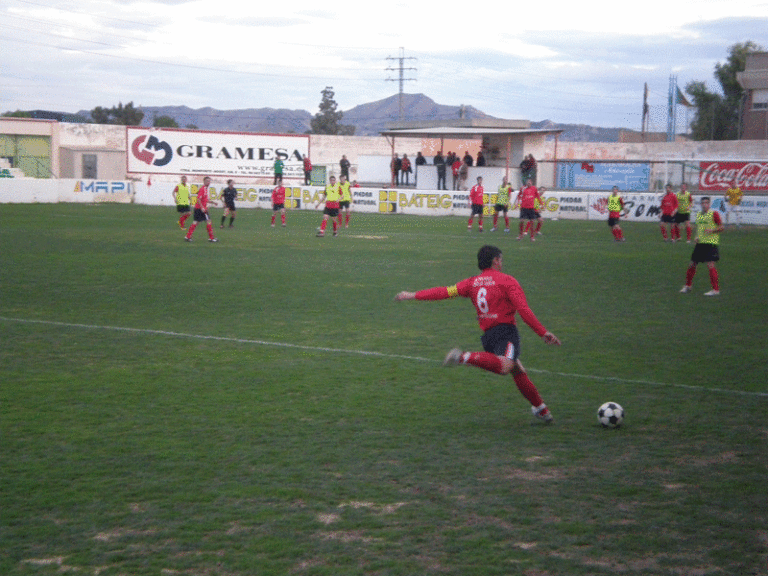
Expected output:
(467, 158)
(395, 167)
(307, 170)
(420, 161)
(528, 168)
(405, 170)
(463, 175)
(278, 171)
(455, 167)
(344, 164)
(439, 163)
(480, 159)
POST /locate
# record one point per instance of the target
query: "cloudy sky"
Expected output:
(574, 62)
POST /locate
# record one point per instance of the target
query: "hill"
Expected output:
(369, 119)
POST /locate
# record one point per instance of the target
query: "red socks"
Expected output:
(495, 219)
(689, 274)
(324, 223)
(664, 232)
(282, 219)
(688, 233)
(492, 363)
(183, 219)
(209, 226)
(484, 360)
(506, 221)
(191, 229)
(527, 388)
(538, 227)
(714, 279)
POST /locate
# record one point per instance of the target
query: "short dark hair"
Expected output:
(486, 255)
(704, 198)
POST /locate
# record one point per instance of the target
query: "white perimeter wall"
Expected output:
(644, 207)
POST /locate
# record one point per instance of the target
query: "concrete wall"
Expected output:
(709, 150)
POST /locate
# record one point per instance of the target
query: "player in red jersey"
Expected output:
(539, 206)
(278, 202)
(497, 298)
(668, 210)
(526, 198)
(476, 199)
(201, 211)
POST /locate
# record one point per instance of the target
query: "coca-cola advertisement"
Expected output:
(719, 176)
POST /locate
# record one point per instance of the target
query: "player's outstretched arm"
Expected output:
(550, 338)
(436, 293)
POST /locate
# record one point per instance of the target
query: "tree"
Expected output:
(17, 114)
(122, 115)
(165, 122)
(718, 115)
(327, 121)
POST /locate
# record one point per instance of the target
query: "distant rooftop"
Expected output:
(482, 123)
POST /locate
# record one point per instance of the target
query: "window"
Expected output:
(759, 99)
(89, 166)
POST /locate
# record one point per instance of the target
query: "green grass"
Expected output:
(189, 445)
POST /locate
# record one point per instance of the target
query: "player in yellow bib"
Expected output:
(331, 198)
(346, 200)
(502, 204)
(733, 197)
(709, 225)
(683, 214)
(181, 197)
(615, 206)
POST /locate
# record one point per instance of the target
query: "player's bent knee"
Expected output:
(507, 365)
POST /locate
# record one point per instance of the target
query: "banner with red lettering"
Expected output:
(719, 176)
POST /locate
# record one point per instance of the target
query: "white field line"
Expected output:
(366, 353)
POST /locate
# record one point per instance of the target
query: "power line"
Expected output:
(401, 69)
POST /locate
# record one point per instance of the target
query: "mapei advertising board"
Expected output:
(216, 154)
(628, 176)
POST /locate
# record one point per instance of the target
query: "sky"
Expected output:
(570, 62)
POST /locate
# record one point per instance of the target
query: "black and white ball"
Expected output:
(610, 415)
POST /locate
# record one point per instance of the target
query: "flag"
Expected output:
(149, 180)
(682, 100)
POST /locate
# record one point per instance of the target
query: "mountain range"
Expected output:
(368, 119)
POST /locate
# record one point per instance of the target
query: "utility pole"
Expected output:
(401, 69)
(672, 102)
(644, 123)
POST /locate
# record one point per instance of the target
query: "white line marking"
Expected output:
(364, 353)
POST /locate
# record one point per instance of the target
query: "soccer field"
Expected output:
(262, 406)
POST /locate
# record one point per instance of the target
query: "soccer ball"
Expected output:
(610, 415)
